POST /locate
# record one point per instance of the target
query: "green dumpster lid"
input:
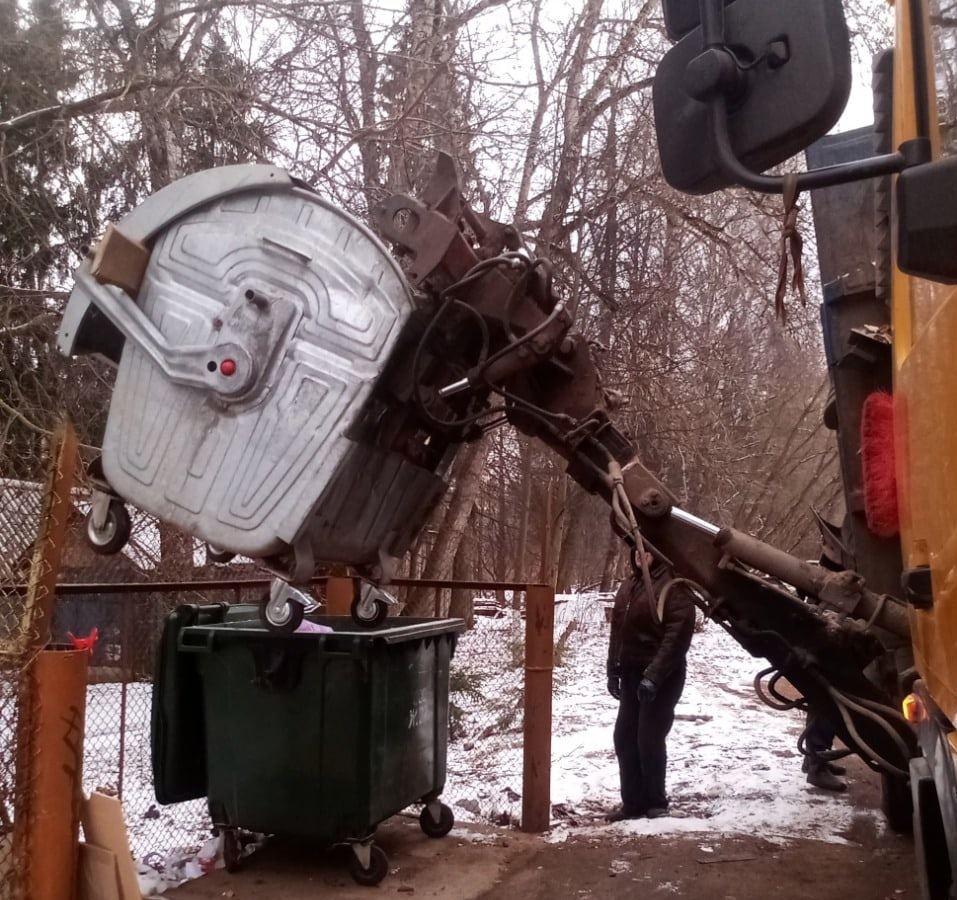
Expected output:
(395, 630)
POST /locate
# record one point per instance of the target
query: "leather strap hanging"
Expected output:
(793, 243)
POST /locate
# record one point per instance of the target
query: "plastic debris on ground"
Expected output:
(157, 874)
(308, 627)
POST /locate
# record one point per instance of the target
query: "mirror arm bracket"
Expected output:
(910, 153)
(712, 23)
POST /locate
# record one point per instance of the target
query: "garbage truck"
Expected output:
(293, 385)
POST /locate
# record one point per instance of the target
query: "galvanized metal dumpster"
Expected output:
(321, 736)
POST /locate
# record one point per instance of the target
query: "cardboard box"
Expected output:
(98, 876)
(105, 829)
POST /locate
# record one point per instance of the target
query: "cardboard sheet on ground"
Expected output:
(105, 828)
(98, 878)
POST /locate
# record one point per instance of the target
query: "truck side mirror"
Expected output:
(780, 73)
(927, 221)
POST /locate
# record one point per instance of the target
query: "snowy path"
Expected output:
(734, 767)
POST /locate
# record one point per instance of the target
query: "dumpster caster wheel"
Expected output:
(112, 535)
(369, 613)
(286, 621)
(377, 869)
(219, 557)
(436, 827)
(232, 850)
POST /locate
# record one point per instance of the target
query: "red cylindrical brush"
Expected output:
(878, 464)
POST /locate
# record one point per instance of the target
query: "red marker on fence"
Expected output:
(85, 643)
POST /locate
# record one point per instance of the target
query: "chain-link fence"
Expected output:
(485, 762)
(31, 541)
(117, 757)
(21, 504)
(151, 572)
(487, 697)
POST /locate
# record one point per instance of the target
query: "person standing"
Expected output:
(646, 675)
(821, 772)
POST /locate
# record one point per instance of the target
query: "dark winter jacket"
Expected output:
(638, 640)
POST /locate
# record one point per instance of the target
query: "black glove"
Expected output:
(647, 689)
(614, 679)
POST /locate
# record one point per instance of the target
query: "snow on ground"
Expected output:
(154, 830)
(734, 767)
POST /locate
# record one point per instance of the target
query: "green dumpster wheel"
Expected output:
(294, 616)
(232, 850)
(378, 867)
(381, 612)
(436, 829)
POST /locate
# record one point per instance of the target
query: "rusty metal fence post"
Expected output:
(537, 744)
(340, 591)
(54, 765)
(51, 702)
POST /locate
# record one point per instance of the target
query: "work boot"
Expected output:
(833, 768)
(658, 812)
(820, 776)
(621, 814)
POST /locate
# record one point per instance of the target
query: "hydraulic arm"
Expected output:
(499, 342)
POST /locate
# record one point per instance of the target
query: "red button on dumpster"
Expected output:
(228, 367)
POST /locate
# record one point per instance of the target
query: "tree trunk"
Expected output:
(547, 538)
(450, 532)
(461, 605)
(559, 527)
(609, 569)
(521, 549)
(571, 541)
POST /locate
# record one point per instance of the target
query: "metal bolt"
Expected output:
(652, 502)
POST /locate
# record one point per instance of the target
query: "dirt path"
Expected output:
(732, 869)
(480, 863)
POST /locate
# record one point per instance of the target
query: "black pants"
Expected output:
(819, 735)
(640, 733)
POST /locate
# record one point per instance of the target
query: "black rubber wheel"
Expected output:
(437, 829)
(291, 620)
(373, 621)
(930, 838)
(232, 850)
(114, 534)
(897, 803)
(219, 557)
(378, 867)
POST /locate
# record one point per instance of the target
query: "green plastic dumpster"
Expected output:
(320, 736)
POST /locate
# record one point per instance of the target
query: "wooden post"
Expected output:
(340, 591)
(539, 658)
